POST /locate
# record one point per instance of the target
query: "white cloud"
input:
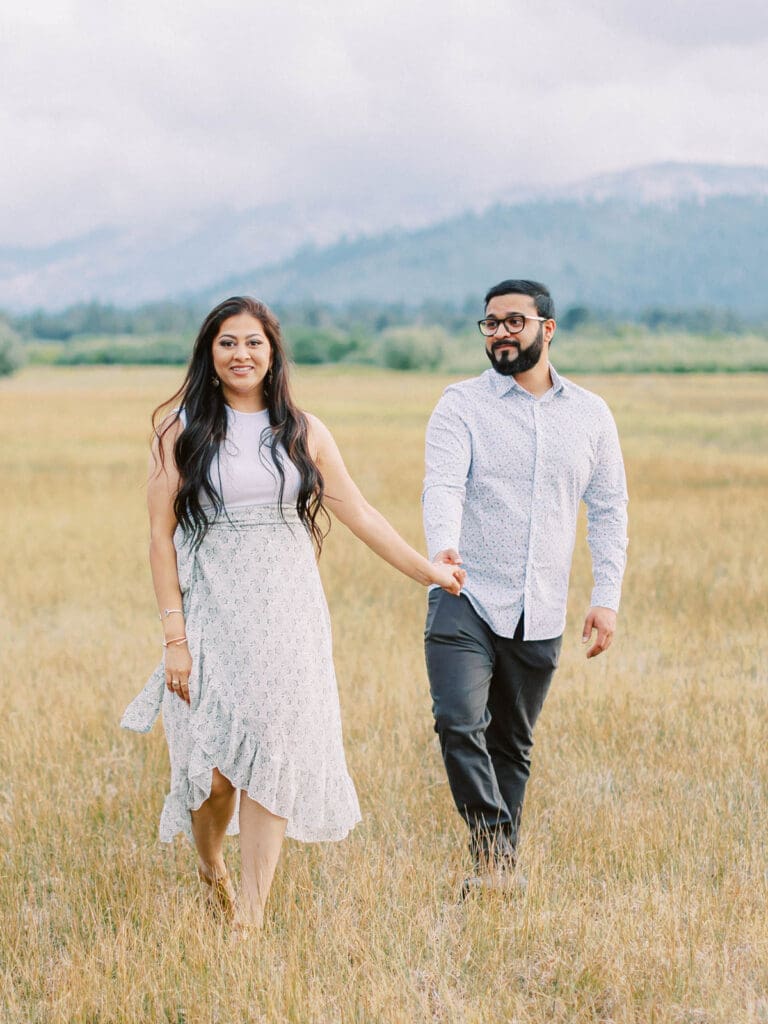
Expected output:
(688, 23)
(121, 112)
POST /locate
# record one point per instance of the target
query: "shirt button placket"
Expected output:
(528, 607)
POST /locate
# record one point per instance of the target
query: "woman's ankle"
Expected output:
(212, 868)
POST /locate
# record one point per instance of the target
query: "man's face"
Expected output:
(515, 353)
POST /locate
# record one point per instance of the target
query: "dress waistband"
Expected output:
(256, 515)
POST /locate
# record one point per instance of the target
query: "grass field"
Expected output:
(645, 826)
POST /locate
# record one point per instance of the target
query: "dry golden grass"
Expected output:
(645, 827)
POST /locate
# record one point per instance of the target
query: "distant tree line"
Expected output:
(91, 319)
(429, 336)
(99, 319)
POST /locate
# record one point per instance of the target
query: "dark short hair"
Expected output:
(539, 292)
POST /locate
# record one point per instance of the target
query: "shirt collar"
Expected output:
(501, 385)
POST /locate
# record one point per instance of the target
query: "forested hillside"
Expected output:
(614, 255)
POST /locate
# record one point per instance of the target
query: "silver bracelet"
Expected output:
(170, 611)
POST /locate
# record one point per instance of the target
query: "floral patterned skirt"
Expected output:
(264, 704)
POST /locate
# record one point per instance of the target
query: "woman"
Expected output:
(238, 480)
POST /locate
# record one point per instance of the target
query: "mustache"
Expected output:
(500, 344)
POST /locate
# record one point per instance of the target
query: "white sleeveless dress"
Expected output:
(264, 702)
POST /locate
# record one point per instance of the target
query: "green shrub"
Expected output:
(412, 348)
(11, 352)
(312, 346)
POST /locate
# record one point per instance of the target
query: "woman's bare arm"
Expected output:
(343, 498)
(162, 487)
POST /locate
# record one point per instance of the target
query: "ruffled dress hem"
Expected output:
(270, 782)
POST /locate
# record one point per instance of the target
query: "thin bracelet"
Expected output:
(170, 611)
(176, 642)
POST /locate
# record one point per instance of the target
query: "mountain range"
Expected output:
(669, 235)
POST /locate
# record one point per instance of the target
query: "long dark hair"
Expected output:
(197, 446)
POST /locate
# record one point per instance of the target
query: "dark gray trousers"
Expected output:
(487, 692)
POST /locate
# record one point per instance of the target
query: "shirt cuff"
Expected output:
(605, 596)
(436, 544)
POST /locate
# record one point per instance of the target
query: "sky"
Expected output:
(115, 113)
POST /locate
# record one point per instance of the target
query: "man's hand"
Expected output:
(604, 621)
(449, 556)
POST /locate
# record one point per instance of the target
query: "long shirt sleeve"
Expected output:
(448, 459)
(606, 501)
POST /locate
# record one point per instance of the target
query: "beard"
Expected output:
(525, 359)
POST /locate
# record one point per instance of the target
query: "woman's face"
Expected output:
(242, 356)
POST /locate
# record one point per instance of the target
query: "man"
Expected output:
(509, 456)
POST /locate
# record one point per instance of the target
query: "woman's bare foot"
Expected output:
(244, 929)
(220, 892)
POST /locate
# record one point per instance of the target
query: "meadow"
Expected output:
(645, 823)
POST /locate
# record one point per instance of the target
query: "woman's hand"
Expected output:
(449, 577)
(178, 665)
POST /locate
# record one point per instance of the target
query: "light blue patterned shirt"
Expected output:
(505, 473)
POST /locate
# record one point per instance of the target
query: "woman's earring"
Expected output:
(215, 381)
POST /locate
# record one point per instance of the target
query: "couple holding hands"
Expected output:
(240, 485)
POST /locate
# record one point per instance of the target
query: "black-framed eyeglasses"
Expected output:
(514, 323)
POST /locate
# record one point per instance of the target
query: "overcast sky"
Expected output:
(115, 112)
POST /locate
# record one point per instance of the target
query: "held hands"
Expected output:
(604, 621)
(448, 572)
(178, 665)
